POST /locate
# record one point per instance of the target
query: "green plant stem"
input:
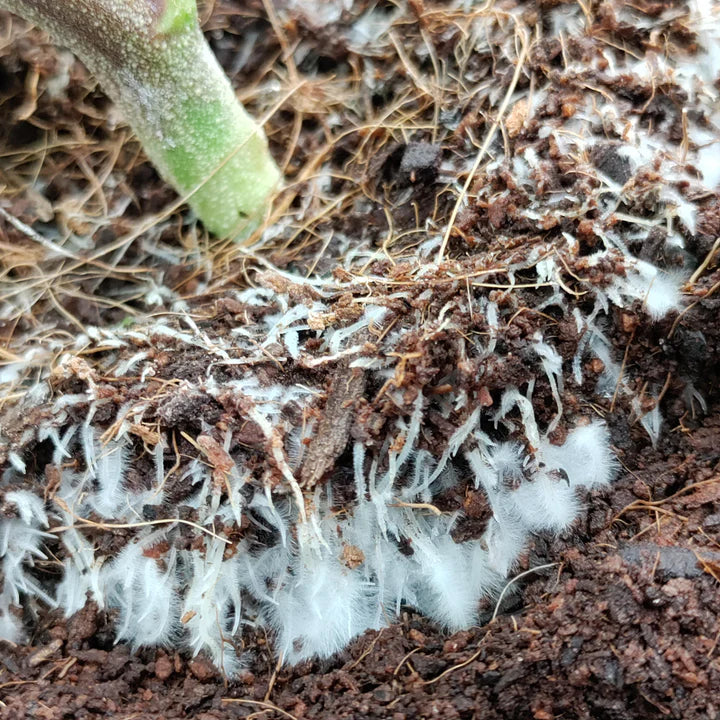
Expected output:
(152, 59)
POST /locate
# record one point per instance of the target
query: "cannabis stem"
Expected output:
(151, 58)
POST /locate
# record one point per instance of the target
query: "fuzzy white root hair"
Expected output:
(145, 595)
(20, 541)
(319, 578)
(212, 608)
(333, 578)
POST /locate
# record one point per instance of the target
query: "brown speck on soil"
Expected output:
(625, 623)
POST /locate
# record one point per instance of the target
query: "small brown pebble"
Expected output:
(202, 669)
(542, 715)
(316, 321)
(48, 713)
(586, 229)
(352, 557)
(457, 642)
(641, 490)
(549, 222)
(94, 656)
(163, 668)
(245, 677)
(476, 505)
(83, 624)
(497, 214)
(229, 305)
(58, 632)
(450, 647)
(383, 693)
(628, 322)
(516, 118)
(484, 397)
(417, 637)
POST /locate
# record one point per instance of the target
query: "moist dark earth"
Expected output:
(618, 618)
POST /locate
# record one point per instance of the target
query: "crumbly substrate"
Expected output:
(367, 422)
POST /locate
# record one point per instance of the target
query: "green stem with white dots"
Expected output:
(152, 59)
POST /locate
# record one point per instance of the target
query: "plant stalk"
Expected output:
(152, 60)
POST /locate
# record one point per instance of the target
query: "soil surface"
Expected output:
(619, 618)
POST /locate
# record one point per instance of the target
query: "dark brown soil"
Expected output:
(620, 619)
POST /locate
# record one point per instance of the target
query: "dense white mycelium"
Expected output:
(321, 576)
(20, 547)
(327, 578)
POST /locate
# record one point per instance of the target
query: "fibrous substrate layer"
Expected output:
(295, 457)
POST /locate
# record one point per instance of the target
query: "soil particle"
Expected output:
(610, 163)
(163, 667)
(669, 562)
(420, 162)
(202, 669)
(189, 408)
